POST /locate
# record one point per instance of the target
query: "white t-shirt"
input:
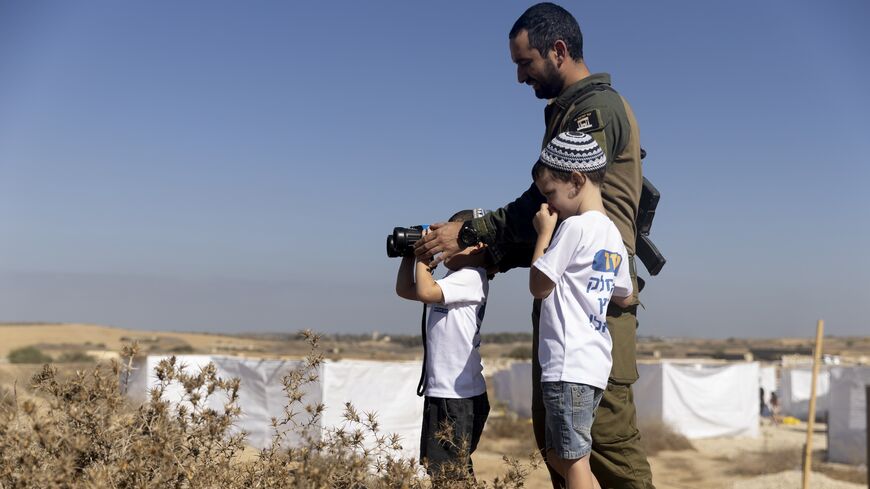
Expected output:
(453, 367)
(588, 263)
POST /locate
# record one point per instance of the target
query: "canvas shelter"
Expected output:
(513, 388)
(767, 380)
(386, 388)
(847, 415)
(795, 386)
(700, 400)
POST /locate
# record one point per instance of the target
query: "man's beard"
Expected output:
(549, 84)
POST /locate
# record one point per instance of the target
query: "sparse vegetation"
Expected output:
(28, 354)
(774, 461)
(515, 434)
(768, 461)
(522, 352)
(81, 431)
(182, 349)
(75, 357)
(657, 436)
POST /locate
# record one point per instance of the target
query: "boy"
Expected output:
(454, 386)
(576, 273)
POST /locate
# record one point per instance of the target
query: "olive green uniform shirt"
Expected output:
(593, 107)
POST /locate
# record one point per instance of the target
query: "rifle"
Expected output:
(645, 249)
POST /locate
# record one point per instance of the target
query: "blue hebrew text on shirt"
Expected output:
(599, 284)
(606, 261)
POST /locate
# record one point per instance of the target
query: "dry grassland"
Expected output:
(676, 463)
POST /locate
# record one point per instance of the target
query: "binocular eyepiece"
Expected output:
(401, 242)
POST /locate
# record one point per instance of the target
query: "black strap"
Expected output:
(421, 387)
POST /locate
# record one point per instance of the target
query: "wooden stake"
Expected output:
(808, 448)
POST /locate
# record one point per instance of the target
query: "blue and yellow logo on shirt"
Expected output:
(606, 261)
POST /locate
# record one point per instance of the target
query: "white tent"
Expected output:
(795, 385)
(700, 401)
(513, 387)
(386, 388)
(847, 415)
(767, 380)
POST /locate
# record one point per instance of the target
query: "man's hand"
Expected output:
(545, 220)
(443, 237)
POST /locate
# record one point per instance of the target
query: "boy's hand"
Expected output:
(545, 220)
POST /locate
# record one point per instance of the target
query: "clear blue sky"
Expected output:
(234, 166)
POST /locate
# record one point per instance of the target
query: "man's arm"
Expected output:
(512, 224)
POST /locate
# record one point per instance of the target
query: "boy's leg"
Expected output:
(434, 452)
(480, 409)
(465, 419)
(578, 474)
(570, 413)
(618, 460)
(539, 414)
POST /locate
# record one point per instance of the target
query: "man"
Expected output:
(547, 46)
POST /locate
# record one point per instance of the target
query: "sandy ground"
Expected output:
(714, 464)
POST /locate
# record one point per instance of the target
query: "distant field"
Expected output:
(56, 339)
(94, 337)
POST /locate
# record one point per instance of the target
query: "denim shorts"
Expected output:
(570, 412)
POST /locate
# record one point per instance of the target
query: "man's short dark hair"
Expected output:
(596, 177)
(546, 23)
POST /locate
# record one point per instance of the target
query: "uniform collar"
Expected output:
(567, 96)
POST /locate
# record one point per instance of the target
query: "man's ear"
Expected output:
(560, 48)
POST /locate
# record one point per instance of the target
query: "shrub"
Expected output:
(182, 349)
(523, 352)
(75, 357)
(28, 354)
(84, 433)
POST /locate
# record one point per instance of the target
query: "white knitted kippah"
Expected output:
(573, 151)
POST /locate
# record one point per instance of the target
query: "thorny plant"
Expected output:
(81, 431)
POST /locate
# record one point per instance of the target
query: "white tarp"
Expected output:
(386, 388)
(700, 401)
(795, 385)
(768, 381)
(847, 415)
(513, 387)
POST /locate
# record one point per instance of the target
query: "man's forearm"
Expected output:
(512, 224)
(508, 231)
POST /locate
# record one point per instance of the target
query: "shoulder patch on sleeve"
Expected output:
(587, 121)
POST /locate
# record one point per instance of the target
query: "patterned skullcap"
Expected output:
(573, 151)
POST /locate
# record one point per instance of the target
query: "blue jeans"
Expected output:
(570, 413)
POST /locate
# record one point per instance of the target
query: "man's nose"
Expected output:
(521, 75)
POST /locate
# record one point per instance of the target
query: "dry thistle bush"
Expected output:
(80, 431)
